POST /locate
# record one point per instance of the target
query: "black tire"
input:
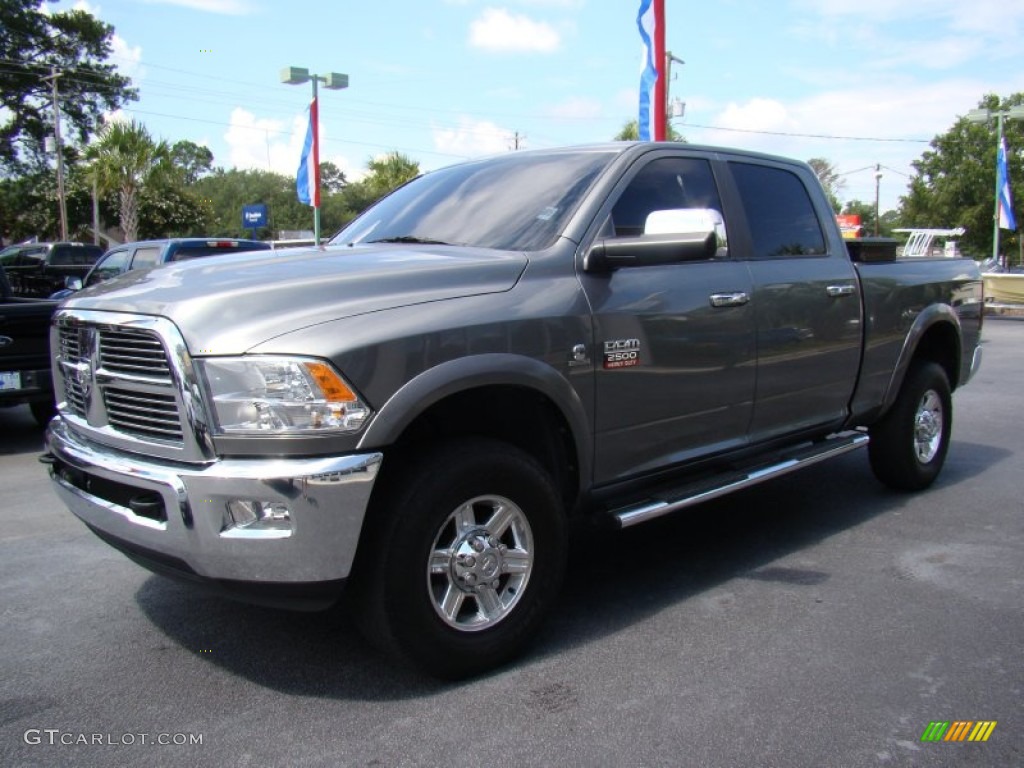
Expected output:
(909, 444)
(462, 557)
(43, 411)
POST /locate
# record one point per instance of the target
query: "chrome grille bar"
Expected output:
(134, 352)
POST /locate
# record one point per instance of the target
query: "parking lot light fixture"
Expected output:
(984, 116)
(334, 81)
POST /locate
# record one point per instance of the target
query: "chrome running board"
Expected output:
(719, 485)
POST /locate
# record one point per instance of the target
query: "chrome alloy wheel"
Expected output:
(480, 563)
(928, 426)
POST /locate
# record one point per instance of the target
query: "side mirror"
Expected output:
(73, 283)
(670, 236)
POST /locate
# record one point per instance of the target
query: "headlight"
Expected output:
(280, 395)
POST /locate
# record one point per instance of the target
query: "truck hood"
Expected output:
(228, 304)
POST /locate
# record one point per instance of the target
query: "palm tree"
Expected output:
(125, 159)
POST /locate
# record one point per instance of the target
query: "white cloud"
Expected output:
(267, 144)
(472, 138)
(264, 144)
(887, 123)
(498, 30)
(126, 58)
(225, 7)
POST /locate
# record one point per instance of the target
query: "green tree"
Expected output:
(192, 160)
(887, 221)
(332, 178)
(832, 183)
(28, 206)
(954, 181)
(384, 174)
(630, 131)
(228, 190)
(74, 43)
(126, 159)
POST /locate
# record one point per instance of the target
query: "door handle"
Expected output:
(835, 291)
(734, 299)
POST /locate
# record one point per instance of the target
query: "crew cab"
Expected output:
(416, 411)
(36, 270)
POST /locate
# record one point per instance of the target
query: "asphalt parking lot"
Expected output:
(818, 620)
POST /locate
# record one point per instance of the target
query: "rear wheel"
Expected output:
(464, 558)
(909, 444)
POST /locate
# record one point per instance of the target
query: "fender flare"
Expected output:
(416, 396)
(930, 317)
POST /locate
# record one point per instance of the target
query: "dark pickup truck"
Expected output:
(39, 269)
(417, 410)
(25, 352)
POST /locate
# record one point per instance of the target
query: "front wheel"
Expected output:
(909, 444)
(464, 557)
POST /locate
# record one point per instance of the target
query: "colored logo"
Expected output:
(959, 730)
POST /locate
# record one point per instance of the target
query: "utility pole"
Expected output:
(878, 181)
(669, 58)
(52, 78)
(516, 140)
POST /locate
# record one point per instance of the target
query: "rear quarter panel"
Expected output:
(904, 301)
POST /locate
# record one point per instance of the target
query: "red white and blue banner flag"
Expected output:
(307, 182)
(650, 21)
(1006, 220)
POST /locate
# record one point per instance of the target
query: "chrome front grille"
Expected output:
(146, 415)
(133, 352)
(125, 380)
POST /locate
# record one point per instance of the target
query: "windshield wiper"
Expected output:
(409, 239)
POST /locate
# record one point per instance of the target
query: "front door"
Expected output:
(674, 343)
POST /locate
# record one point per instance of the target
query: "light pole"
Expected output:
(335, 82)
(983, 116)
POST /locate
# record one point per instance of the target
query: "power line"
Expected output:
(807, 135)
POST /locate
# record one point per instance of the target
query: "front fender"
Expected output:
(467, 373)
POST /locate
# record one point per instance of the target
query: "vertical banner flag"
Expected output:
(1006, 220)
(650, 21)
(307, 182)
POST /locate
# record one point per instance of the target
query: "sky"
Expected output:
(859, 83)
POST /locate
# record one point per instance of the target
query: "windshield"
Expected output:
(515, 202)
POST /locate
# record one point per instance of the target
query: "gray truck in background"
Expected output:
(417, 410)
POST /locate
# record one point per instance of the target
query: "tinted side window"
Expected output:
(111, 265)
(667, 183)
(81, 255)
(31, 256)
(779, 211)
(147, 257)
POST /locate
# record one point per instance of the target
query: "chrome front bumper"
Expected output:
(326, 500)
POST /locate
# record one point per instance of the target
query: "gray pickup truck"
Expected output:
(418, 409)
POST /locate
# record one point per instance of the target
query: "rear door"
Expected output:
(806, 300)
(674, 365)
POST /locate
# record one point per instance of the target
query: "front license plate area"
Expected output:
(10, 380)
